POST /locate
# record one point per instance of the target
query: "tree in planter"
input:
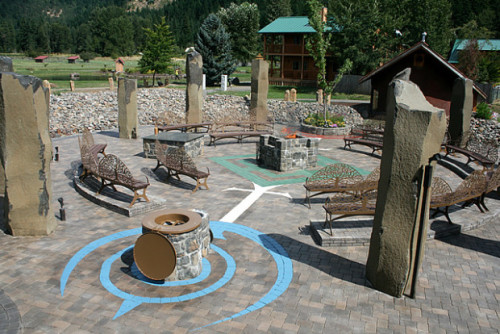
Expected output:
(214, 45)
(158, 49)
(318, 44)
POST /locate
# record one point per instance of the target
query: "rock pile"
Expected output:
(72, 112)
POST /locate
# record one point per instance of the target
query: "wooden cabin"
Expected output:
(290, 63)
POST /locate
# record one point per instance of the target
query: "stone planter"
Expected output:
(324, 131)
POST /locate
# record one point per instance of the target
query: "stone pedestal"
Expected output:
(127, 108)
(413, 134)
(259, 89)
(285, 154)
(460, 111)
(25, 154)
(194, 88)
(293, 95)
(5, 66)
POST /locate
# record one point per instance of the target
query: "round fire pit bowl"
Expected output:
(171, 221)
(189, 234)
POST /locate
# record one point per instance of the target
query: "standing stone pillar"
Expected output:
(25, 155)
(460, 111)
(127, 108)
(413, 134)
(111, 83)
(259, 89)
(46, 84)
(5, 66)
(194, 88)
(293, 95)
(287, 95)
(319, 96)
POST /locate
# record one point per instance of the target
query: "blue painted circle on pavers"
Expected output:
(283, 264)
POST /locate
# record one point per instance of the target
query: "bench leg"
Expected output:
(308, 199)
(199, 183)
(158, 164)
(137, 196)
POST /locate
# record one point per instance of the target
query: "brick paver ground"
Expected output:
(458, 289)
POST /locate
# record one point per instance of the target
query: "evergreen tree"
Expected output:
(277, 8)
(158, 49)
(7, 37)
(214, 45)
(242, 24)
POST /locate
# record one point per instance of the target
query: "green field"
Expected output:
(96, 72)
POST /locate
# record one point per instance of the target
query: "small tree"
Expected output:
(318, 44)
(214, 45)
(158, 49)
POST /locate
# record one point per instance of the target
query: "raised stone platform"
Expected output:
(192, 143)
(324, 131)
(117, 201)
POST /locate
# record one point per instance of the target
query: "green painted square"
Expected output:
(246, 166)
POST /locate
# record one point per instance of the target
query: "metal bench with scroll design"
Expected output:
(177, 162)
(341, 205)
(112, 171)
(483, 152)
(239, 130)
(338, 177)
(470, 190)
(205, 126)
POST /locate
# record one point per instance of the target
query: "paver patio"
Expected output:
(326, 291)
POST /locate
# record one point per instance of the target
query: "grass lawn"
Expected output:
(93, 75)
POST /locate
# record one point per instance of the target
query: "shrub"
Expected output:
(332, 121)
(483, 111)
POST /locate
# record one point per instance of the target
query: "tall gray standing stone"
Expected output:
(127, 108)
(259, 89)
(413, 135)
(194, 88)
(460, 111)
(25, 153)
(5, 66)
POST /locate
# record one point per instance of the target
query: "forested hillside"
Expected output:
(115, 27)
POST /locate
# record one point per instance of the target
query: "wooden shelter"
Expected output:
(72, 59)
(40, 59)
(431, 72)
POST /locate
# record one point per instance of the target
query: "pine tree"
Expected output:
(214, 45)
(277, 8)
(158, 49)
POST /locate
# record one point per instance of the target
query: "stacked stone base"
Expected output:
(287, 154)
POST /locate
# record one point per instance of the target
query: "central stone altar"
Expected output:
(284, 154)
(192, 142)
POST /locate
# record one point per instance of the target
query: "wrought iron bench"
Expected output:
(364, 201)
(88, 140)
(338, 178)
(492, 184)
(112, 171)
(177, 162)
(470, 190)
(368, 137)
(239, 130)
(484, 152)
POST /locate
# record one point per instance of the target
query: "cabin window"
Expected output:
(296, 66)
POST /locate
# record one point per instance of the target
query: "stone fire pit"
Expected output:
(284, 154)
(189, 234)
